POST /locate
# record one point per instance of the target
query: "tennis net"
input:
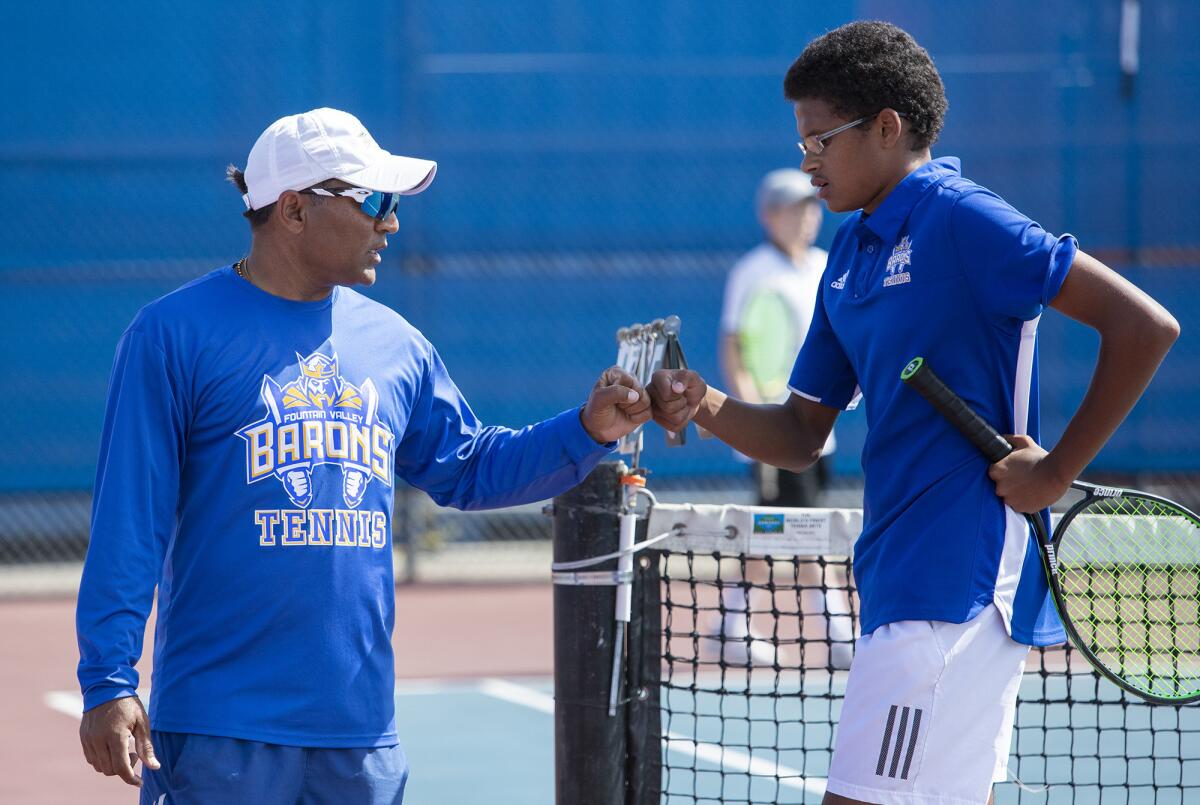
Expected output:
(734, 731)
(748, 715)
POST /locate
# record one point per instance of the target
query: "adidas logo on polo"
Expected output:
(901, 257)
(904, 745)
(840, 283)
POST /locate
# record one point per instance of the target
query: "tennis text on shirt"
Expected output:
(319, 422)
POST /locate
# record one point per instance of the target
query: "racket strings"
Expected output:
(1129, 572)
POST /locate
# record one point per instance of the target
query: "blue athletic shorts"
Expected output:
(205, 769)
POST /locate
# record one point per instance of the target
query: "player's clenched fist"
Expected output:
(675, 395)
(616, 406)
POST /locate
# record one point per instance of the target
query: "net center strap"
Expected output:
(592, 561)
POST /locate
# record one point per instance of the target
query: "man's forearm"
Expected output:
(110, 619)
(496, 466)
(769, 433)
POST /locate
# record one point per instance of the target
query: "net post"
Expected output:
(589, 746)
(644, 679)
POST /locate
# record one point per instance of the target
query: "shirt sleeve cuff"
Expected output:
(1062, 256)
(849, 405)
(94, 697)
(578, 445)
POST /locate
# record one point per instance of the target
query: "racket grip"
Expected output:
(919, 376)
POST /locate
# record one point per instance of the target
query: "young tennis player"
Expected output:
(931, 264)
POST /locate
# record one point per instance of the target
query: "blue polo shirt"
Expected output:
(944, 269)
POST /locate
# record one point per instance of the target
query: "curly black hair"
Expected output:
(863, 67)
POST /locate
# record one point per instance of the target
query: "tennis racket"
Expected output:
(770, 340)
(1123, 568)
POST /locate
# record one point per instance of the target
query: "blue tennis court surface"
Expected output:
(759, 748)
(485, 740)
(495, 738)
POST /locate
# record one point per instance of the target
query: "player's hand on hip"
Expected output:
(1026, 479)
(617, 406)
(676, 395)
(105, 732)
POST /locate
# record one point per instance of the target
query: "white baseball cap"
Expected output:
(299, 151)
(782, 188)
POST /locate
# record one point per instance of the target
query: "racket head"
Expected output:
(1127, 586)
(769, 341)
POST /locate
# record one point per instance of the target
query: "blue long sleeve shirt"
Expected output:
(248, 461)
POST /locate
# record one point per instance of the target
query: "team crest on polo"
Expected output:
(318, 419)
(897, 264)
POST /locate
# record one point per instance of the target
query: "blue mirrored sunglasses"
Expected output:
(374, 203)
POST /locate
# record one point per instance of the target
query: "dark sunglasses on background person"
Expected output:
(374, 203)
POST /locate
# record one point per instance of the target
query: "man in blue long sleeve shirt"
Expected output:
(258, 420)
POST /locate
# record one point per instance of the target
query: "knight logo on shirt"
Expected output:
(318, 419)
(900, 258)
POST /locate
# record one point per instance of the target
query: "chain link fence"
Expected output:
(597, 168)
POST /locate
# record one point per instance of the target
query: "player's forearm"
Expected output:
(1130, 353)
(769, 433)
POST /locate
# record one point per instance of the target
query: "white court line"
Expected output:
(70, 704)
(518, 694)
(435, 687)
(722, 757)
(733, 760)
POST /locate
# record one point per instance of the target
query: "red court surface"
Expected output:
(442, 631)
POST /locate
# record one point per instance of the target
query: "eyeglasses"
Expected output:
(815, 143)
(374, 203)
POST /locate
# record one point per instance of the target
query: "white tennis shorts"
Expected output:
(928, 715)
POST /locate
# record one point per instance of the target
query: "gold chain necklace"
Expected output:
(242, 267)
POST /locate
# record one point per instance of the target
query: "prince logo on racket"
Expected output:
(952, 588)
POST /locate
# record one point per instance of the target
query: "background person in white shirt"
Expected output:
(768, 306)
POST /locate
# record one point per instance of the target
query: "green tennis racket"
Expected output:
(769, 341)
(1123, 567)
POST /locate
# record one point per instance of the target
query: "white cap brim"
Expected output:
(394, 174)
(303, 150)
